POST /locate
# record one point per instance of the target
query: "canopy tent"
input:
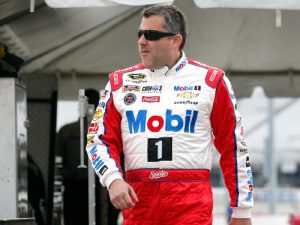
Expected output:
(254, 4)
(82, 45)
(102, 3)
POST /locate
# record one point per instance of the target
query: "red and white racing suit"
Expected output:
(166, 122)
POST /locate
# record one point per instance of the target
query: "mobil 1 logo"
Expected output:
(159, 149)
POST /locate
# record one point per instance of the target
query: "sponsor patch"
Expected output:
(90, 139)
(249, 197)
(250, 181)
(158, 174)
(93, 129)
(136, 76)
(213, 75)
(197, 88)
(152, 89)
(116, 78)
(244, 150)
(136, 81)
(98, 114)
(129, 98)
(187, 94)
(249, 174)
(104, 94)
(248, 161)
(131, 88)
(180, 66)
(187, 88)
(169, 121)
(103, 169)
(250, 188)
(96, 160)
(188, 102)
(150, 99)
(101, 104)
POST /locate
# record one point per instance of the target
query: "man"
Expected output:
(165, 115)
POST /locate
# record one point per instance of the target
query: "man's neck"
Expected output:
(175, 59)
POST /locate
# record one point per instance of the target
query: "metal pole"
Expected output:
(272, 159)
(82, 103)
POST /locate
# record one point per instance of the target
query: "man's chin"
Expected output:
(147, 64)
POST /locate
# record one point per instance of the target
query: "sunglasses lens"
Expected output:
(149, 35)
(146, 33)
(140, 34)
(152, 35)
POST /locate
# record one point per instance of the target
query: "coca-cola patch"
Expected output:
(150, 99)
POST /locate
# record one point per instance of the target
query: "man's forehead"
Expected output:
(153, 22)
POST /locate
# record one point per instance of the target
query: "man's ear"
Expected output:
(177, 40)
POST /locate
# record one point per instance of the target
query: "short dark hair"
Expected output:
(175, 19)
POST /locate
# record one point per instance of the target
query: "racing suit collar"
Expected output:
(178, 66)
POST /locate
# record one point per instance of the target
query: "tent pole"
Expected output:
(32, 5)
(273, 184)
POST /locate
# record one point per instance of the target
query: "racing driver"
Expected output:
(166, 115)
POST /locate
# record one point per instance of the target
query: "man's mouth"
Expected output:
(143, 51)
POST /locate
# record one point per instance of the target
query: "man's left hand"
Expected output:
(240, 221)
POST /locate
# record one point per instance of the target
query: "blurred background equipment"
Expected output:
(13, 139)
(10, 64)
(18, 205)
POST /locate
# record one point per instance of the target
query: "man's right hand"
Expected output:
(120, 194)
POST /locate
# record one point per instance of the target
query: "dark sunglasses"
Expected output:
(153, 35)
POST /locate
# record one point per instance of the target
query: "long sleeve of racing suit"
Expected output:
(104, 143)
(234, 161)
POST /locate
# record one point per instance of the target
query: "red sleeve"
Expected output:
(111, 136)
(223, 122)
